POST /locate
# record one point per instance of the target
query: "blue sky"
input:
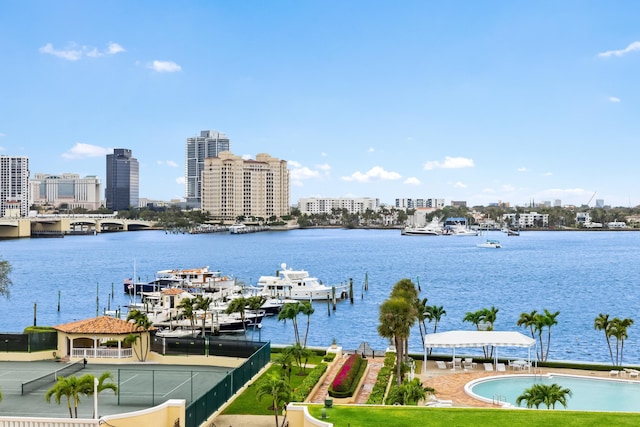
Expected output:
(482, 101)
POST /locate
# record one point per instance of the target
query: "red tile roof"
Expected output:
(99, 325)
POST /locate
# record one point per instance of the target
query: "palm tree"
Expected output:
(477, 318)
(602, 323)
(533, 396)
(527, 320)
(188, 310)
(238, 305)
(284, 360)
(278, 391)
(547, 394)
(558, 394)
(408, 291)
(548, 320)
(618, 330)
(409, 392)
(59, 390)
(435, 315)
(105, 382)
(397, 315)
(307, 309)
(142, 324)
(299, 354)
(203, 303)
(422, 314)
(290, 311)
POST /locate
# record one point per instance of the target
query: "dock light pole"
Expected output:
(6, 343)
(95, 398)
(35, 308)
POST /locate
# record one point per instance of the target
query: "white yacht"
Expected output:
(434, 228)
(298, 285)
(490, 243)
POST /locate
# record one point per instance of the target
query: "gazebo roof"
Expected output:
(99, 325)
(478, 339)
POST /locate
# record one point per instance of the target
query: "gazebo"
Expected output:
(456, 339)
(98, 337)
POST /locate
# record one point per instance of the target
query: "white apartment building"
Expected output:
(66, 189)
(234, 187)
(14, 186)
(316, 205)
(527, 220)
(405, 203)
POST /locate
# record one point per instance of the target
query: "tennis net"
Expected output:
(29, 386)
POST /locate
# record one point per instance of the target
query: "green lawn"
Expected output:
(394, 416)
(248, 404)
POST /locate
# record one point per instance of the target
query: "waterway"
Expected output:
(579, 274)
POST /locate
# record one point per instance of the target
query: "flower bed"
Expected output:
(346, 380)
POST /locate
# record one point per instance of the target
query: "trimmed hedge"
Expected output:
(329, 357)
(301, 392)
(384, 376)
(346, 381)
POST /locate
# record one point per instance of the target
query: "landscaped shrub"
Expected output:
(302, 391)
(384, 375)
(329, 357)
(346, 380)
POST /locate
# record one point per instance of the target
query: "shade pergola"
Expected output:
(456, 339)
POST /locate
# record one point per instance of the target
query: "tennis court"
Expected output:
(141, 386)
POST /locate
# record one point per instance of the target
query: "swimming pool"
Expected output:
(589, 394)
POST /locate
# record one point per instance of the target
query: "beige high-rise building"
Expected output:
(234, 187)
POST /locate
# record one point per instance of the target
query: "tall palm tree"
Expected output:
(408, 291)
(477, 318)
(602, 323)
(203, 303)
(307, 309)
(435, 315)
(290, 311)
(397, 315)
(527, 320)
(548, 321)
(142, 325)
(284, 359)
(238, 305)
(59, 390)
(422, 314)
(618, 330)
(277, 390)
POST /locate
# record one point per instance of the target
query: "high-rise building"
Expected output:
(233, 187)
(14, 186)
(122, 187)
(210, 143)
(67, 189)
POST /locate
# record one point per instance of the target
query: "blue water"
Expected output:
(588, 394)
(580, 274)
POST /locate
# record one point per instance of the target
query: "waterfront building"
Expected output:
(459, 203)
(353, 205)
(406, 203)
(233, 187)
(14, 186)
(526, 220)
(67, 189)
(122, 180)
(210, 143)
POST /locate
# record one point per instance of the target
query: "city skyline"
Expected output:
(479, 102)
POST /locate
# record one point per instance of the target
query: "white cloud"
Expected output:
(180, 180)
(459, 185)
(114, 48)
(246, 157)
(70, 54)
(371, 150)
(614, 99)
(323, 154)
(376, 173)
(165, 66)
(522, 169)
(82, 151)
(631, 48)
(73, 52)
(449, 163)
(302, 173)
(324, 167)
(412, 181)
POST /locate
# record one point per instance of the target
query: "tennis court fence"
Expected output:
(35, 384)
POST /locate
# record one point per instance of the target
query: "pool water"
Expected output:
(589, 394)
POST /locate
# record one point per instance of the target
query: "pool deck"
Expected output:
(449, 385)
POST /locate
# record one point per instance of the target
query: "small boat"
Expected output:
(490, 243)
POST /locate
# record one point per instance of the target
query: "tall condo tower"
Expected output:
(122, 180)
(209, 144)
(14, 186)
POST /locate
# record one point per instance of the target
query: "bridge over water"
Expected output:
(59, 225)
